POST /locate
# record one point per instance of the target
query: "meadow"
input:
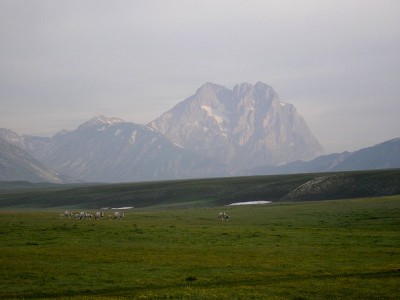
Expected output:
(341, 249)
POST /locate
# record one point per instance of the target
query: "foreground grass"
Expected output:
(319, 250)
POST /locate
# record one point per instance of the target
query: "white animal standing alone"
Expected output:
(223, 216)
(118, 215)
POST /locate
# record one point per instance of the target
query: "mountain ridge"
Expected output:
(17, 164)
(384, 155)
(111, 150)
(216, 132)
(242, 127)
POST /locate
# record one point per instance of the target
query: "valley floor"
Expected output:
(344, 249)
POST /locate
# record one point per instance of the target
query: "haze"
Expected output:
(337, 62)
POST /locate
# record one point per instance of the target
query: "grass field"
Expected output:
(344, 249)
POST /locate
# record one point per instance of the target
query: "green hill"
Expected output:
(210, 192)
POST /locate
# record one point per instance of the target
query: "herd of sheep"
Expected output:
(116, 216)
(97, 215)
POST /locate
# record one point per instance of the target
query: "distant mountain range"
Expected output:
(216, 132)
(110, 150)
(385, 155)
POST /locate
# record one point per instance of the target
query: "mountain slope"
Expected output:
(381, 156)
(243, 128)
(111, 150)
(16, 164)
(385, 155)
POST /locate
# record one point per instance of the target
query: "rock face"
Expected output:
(111, 150)
(243, 128)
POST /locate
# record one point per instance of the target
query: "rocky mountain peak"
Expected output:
(242, 127)
(209, 94)
(100, 121)
(209, 87)
(246, 88)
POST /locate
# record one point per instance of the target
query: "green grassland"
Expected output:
(342, 249)
(203, 192)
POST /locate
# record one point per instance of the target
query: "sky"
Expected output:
(337, 62)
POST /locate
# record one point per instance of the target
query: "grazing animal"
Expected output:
(223, 216)
(83, 215)
(98, 215)
(66, 214)
(118, 215)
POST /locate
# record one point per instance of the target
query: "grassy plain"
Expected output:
(343, 249)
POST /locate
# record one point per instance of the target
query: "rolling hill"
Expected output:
(212, 192)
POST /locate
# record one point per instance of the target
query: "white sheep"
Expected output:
(118, 215)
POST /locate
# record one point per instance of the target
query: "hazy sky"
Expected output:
(337, 62)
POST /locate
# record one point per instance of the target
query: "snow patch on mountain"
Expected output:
(108, 121)
(132, 137)
(211, 113)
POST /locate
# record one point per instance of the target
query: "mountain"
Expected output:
(243, 128)
(385, 155)
(9, 136)
(381, 156)
(17, 164)
(111, 150)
